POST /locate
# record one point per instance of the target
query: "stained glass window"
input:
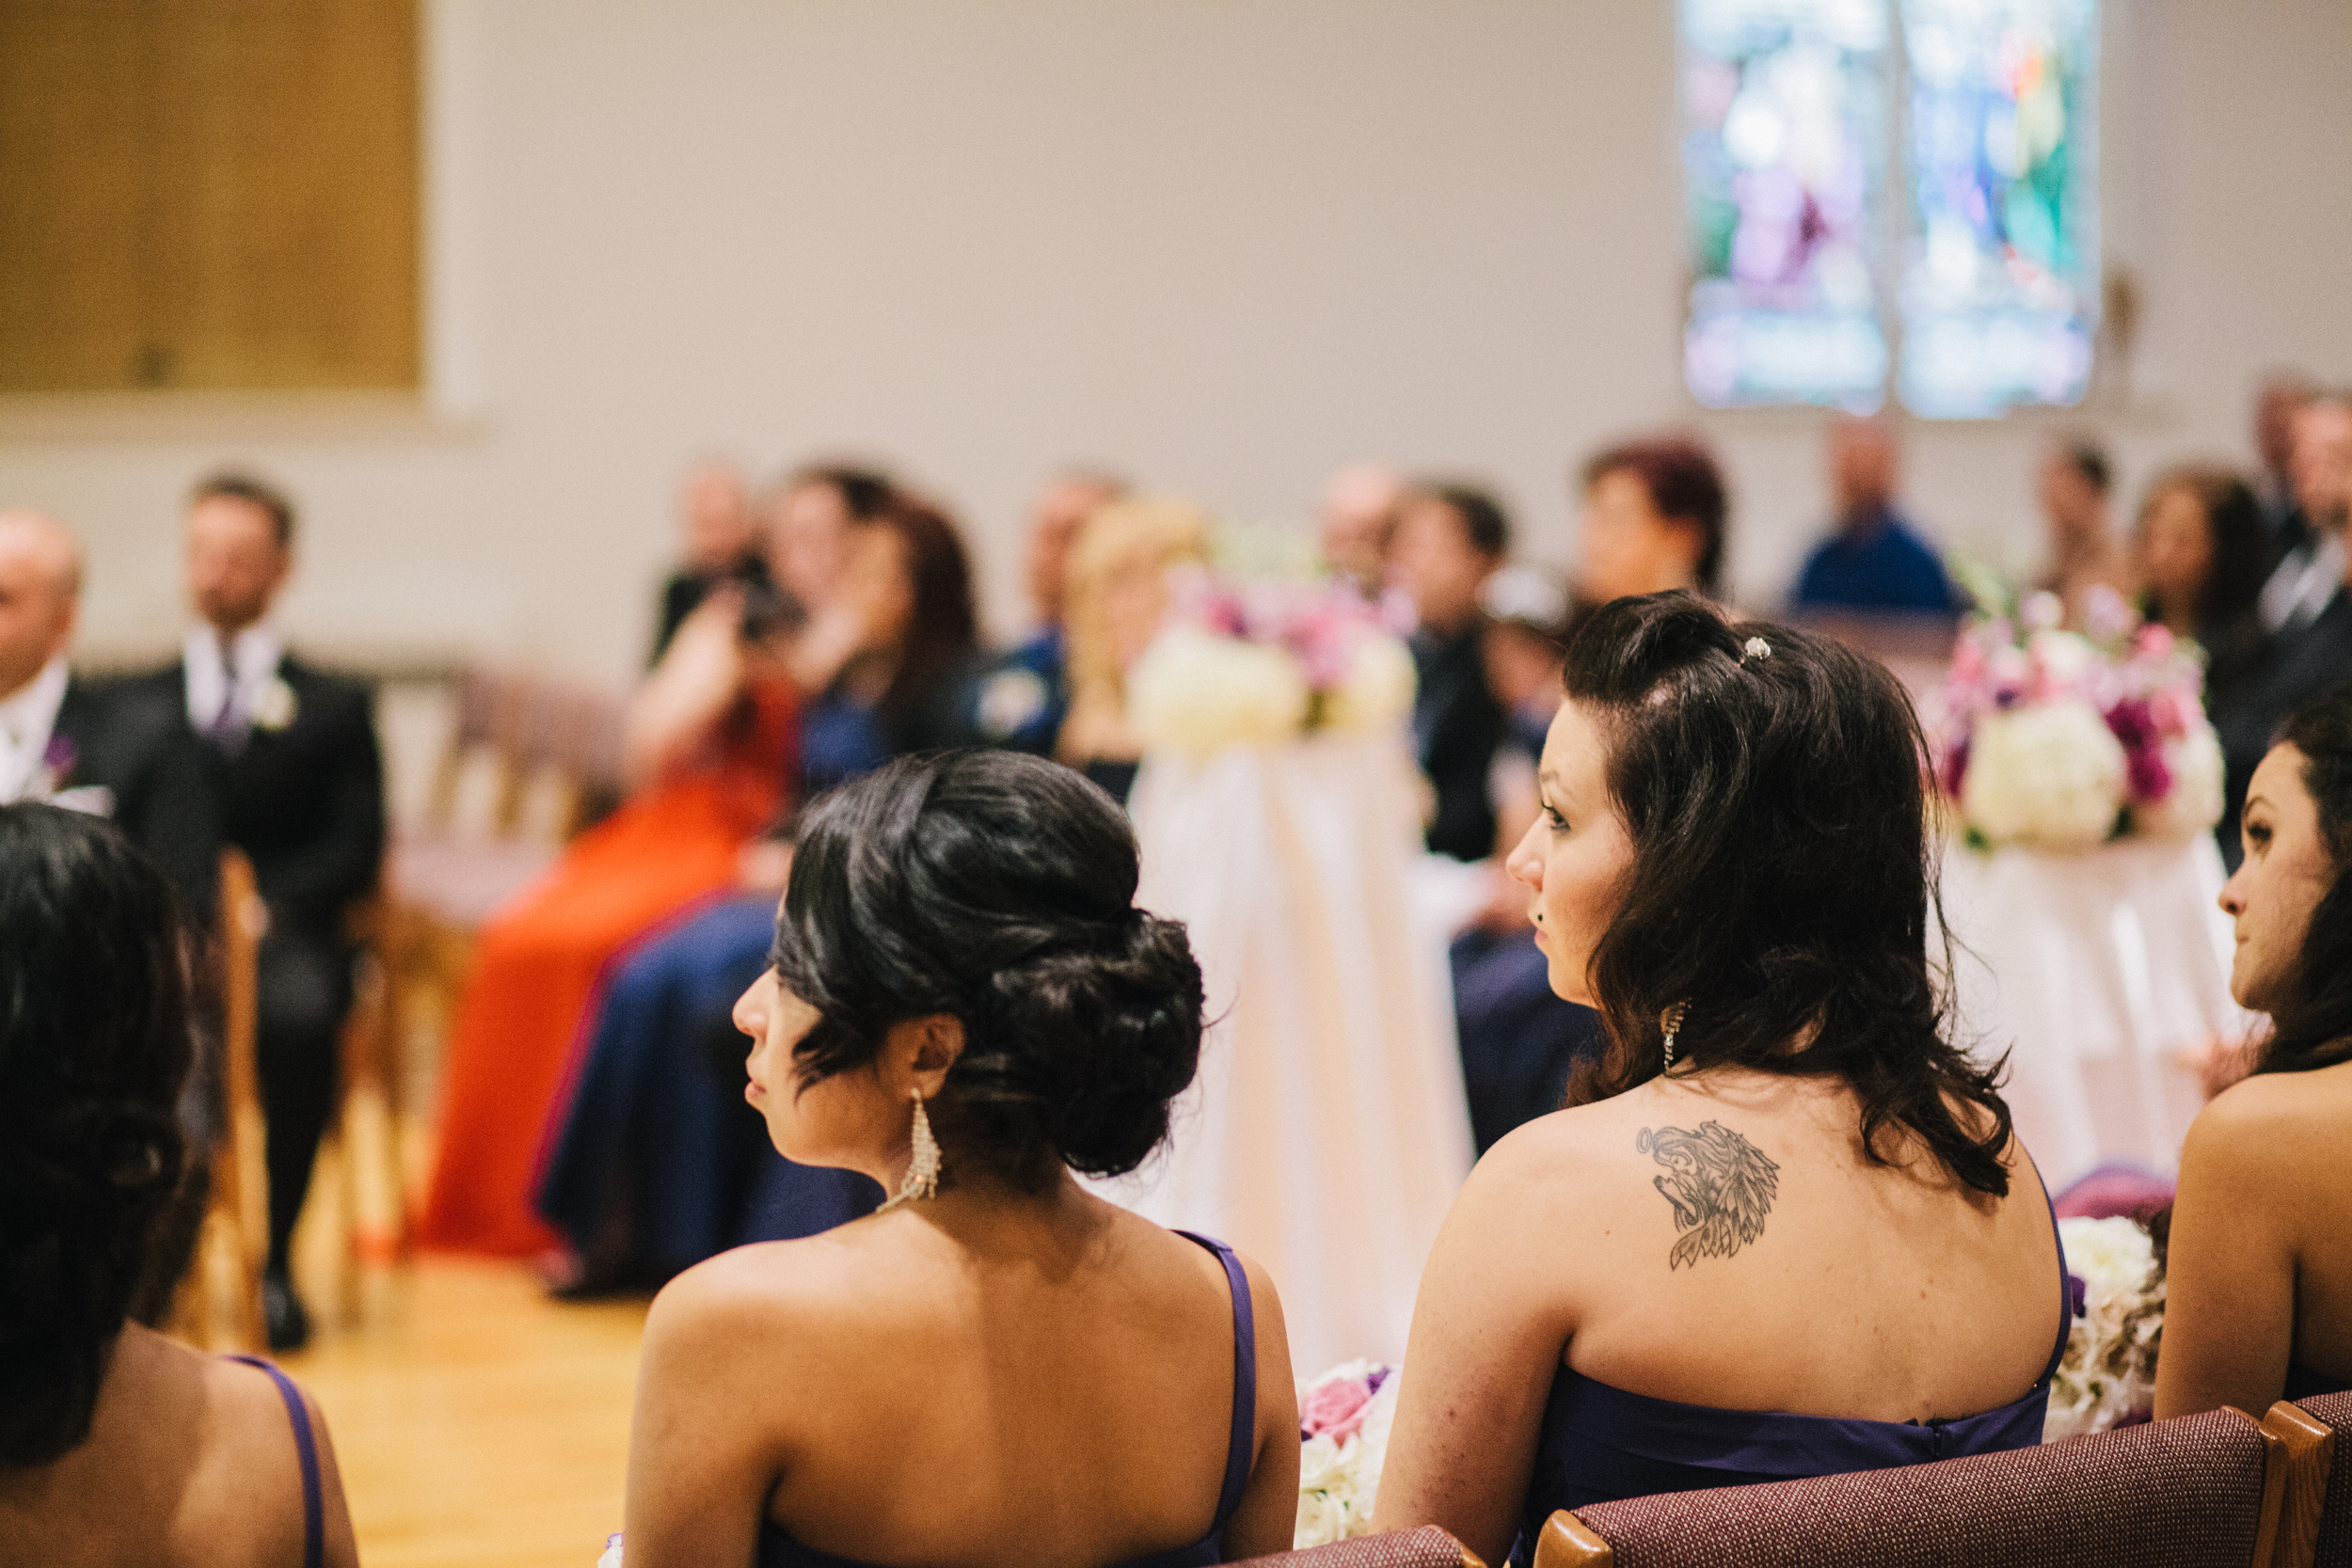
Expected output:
(2000, 258)
(1822, 225)
(1784, 139)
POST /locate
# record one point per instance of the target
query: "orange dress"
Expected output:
(541, 963)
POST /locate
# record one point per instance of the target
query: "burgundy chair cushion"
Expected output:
(2184, 1492)
(1425, 1548)
(2335, 1519)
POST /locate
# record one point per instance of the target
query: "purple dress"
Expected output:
(779, 1550)
(1599, 1444)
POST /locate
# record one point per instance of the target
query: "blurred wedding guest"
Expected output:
(296, 768)
(1874, 559)
(1450, 539)
(2303, 581)
(2281, 399)
(115, 751)
(713, 738)
(1362, 506)
(1628, 1296)
(2200, 555)
(1119, 596)
(2311, 648)
(906, 689)
(1653, 519)
(117, 1445)
(1518, 1039)
(2258, 1272)
(719, 541)
(963, 1003)
(1022, 698)
(2083, 552)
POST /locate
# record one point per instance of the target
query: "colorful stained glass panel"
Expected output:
(1784, 133)
(1999, 290)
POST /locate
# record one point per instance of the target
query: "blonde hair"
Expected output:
(1154, 532)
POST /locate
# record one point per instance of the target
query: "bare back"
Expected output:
(191, 1460)
(1039, 1385)
(2260, 1273)
(1719, 1241)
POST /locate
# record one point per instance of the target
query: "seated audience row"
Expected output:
(962, 1005)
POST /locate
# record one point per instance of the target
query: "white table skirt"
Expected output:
(2101, 974)
(1327, 1132)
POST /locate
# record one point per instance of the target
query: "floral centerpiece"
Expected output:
(2108, 1377)
(1344, 1420)
(2061, 740)
(1256, 661)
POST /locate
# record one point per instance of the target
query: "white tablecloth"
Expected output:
(1327, 1132)
(2097, 972)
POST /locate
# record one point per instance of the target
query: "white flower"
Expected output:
(2193, 804)
(1379, 691)
(1326, 1492)
(2050, 776)
(2108, 1374)
(1200, 693)
(611, 1558)
(274, 706)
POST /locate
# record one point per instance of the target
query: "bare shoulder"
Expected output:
(2271, 1123)
(788, 1288)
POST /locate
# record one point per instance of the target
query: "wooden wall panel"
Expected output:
(207, 194)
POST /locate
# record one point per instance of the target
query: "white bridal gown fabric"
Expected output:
(1327, 1130)
(2101, 974)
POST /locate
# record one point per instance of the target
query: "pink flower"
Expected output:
(1335, 1409)
(2155, 641)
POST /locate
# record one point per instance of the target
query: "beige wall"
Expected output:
(1223, 245)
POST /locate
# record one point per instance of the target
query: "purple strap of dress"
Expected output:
(306, 1443)
(1238, 1446)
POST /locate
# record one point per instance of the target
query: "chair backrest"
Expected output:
(1425, 1548)
(2199, 1490)
(2333, 1547)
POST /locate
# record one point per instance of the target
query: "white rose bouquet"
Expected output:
(2061, 740)
(2108, 1377)
(1260, 661)
(1344, 1421)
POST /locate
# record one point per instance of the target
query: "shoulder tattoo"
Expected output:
(1721, 1186)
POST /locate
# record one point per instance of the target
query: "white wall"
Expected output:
(1223, 245)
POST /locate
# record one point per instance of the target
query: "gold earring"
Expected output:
(1671, 1022)
(922, 1177)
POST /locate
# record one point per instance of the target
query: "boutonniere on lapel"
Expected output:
(56, 766)
(57, 769)
(274, 706)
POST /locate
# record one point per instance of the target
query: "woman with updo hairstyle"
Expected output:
(1781, 1229)
(2258, 1286)
(117, 1445)
(964, 1003)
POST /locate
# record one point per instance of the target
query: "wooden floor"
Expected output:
(479, 1423)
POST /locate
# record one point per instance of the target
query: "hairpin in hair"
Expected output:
(1756, 647)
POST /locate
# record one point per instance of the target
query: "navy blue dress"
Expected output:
(1599, 1444)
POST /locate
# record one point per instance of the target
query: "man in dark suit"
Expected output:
(117, 752)
(293, 757)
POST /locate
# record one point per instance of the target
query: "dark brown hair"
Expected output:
(253, 492)
(1783, 873)
(2312, 1026)
(1685, 486)
(943, 627)
(2234, 527)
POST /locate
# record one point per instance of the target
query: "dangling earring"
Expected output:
(922, 1177)
(1671, 1022)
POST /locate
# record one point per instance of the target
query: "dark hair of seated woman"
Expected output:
(1783, 878)
(998, 889)
(94, 1043)
(2311, 1018)
(959, 950)
(117, 1444)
